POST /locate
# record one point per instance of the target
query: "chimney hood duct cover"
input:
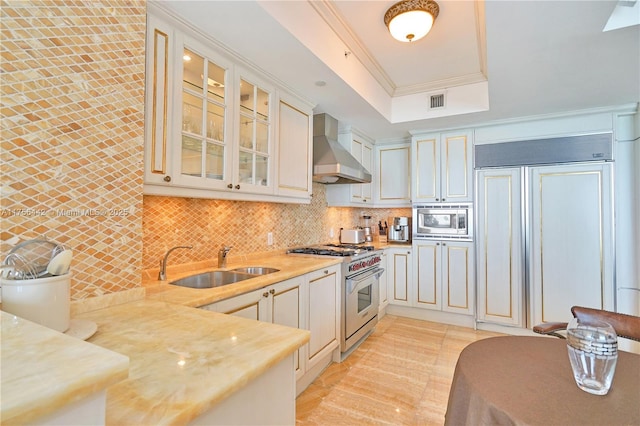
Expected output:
(332, 163)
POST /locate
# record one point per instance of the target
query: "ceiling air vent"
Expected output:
(437, 101)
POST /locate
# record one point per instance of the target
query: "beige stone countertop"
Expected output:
(289, 266)
(44, 370)
(183, 361)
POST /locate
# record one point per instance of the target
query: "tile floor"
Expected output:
(400, 375)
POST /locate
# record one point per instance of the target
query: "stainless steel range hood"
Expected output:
(332, 163)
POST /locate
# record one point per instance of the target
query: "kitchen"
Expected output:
(75, 139)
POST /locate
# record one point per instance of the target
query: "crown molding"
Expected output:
(336, 22)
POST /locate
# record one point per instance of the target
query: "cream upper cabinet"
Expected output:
(213, 125)
(357, 194)
(158, 99)
(363, 152)
(202, 149)
(253, 154)
(393, 183)
(295, 151)
(442, 167)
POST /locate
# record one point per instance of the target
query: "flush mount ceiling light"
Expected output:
(410, 20)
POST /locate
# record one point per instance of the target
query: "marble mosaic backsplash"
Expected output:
(209, 224)
(72, 87)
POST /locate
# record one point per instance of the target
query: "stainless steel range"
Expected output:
(360, 287)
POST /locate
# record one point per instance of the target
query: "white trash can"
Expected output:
(45, 301)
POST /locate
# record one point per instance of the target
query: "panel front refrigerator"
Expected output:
(544, 232)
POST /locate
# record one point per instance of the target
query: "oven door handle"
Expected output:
(352, 283)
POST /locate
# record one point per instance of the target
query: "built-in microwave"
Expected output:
(453, 221)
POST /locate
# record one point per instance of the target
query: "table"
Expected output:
(528, 380)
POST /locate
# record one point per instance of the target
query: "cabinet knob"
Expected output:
(437, 244)
(230, 186)
(443, 199)
(272, 291)
(326, 271)
(437, 199)
(237, 186)
(167, 178)
(265, 294)
(444, 244)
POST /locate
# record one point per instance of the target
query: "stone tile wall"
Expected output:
(72, 87)
(209, 224)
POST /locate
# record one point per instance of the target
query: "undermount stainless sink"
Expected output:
(220, 278)
(212, 279)
(256, 270)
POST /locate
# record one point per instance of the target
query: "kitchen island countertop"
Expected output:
(184, 361)
(44, 370)
(181, 361)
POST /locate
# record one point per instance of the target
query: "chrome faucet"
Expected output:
(162, 275)
(222, 256)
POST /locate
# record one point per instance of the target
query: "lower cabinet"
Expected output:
(435, 275)
(384, 291)
(310, 302)
(399, 261)
(443, 274)
(323, 314)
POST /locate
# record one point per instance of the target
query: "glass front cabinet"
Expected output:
(210, 122)
(204, 149)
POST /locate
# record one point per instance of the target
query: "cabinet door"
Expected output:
(384, 298)
(426, 168)
(287, 308)
(456, 167)
(201, 138)
(251, 305)
(499, 247)
(356, 194)
(252, 166)
(323, 315)
(367, 162)
(294, 151)
(356, 189)
(158, 98)
(571, 240)
(399, 277)
(457, 277)
(361, 151)
(394, 175)
(427, 274)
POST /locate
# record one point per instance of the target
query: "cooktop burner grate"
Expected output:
(322, 251)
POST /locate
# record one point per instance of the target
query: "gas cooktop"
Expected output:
(344, 250)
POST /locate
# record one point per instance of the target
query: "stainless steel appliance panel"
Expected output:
(568, 149)
(452, 221)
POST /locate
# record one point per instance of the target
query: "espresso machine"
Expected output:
(399, 229)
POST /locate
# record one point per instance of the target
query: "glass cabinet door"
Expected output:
(254, 130)
(203, 118)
